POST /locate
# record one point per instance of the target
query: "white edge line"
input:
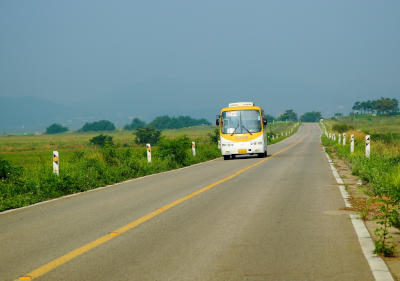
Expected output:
(378, 267)
(112, 185)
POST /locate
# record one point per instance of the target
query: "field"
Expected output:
(380, 172)
(30, 150)
(26, 175)
(372, 124)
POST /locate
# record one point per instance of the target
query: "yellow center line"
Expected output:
(115, 233)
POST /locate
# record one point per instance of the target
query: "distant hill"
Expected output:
(30, 114)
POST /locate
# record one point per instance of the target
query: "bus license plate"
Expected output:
(242, 151)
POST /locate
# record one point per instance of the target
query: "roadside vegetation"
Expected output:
(101, 163)
(279, 130)
(88, 160)
(380, 172)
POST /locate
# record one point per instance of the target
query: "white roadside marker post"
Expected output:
(367, 146)
(194, 148)
(334, 137)
(339, 140)
(344, 138)
(219, 144)
(352, 143)
(56, 163)
(148, 148)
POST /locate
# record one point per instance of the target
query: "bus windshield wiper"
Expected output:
(246, 129)
(235, 130)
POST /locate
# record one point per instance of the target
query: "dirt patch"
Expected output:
(363, 202)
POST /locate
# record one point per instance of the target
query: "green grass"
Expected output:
(73, 141)
(381, 170)
(279, 128)
(84, 167)
(371, 124)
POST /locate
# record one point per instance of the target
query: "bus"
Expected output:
(242, 130)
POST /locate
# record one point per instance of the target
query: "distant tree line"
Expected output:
(102, 125)
(381, 106)
(312, 116)
(166, 122)
(160, 123)
(288, 115)
(135, 124)
(56, 129)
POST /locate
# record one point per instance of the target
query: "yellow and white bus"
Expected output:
(242, 130)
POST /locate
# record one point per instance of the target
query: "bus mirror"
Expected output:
(265, 122)
(217, 121)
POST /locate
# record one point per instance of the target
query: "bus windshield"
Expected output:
(241, 122)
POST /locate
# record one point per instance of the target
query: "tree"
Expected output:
(135, 124)
(380, 106)
(289, 115)
(395, 105)
(166, 122)
(147, 135)
(385, 106)
(102, 140)
(357, 106)
(312, 116)
(102, 125)
(56, 129)
(269, 118)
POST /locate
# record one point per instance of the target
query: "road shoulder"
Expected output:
(383, 269)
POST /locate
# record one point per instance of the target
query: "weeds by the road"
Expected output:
(88, 169)
(381, 171)
(26, 174)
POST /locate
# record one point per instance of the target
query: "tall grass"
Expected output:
(91, 168)
(84, 167)
(381, 171)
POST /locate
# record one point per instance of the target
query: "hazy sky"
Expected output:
(193, 57)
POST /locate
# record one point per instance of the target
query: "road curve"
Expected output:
(278, 220)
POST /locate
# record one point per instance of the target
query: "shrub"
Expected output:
(386, 138)
(56, 129)
(6, 169)
(176, 149)
(214, 136)
(342, 127)
(147, 135)
(102, 140)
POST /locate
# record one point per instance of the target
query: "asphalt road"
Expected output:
(278, 220)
